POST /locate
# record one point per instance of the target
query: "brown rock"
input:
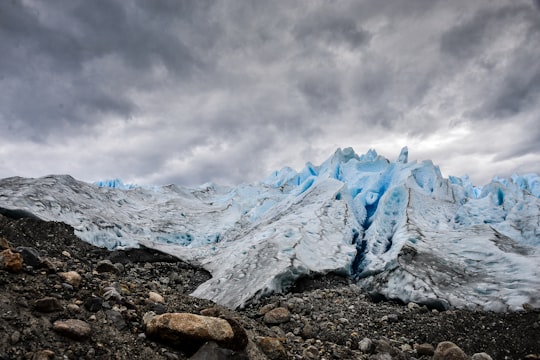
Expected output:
(272, 348)
(48, 304)
(447, 350)
(73, 328)
(43, 355)
(189, 329)
(11, 261)
(4, 243)
(155, 297)
(277, 316)
(71, 277)
(240, 339)
(424, 349)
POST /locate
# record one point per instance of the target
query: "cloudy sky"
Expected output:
(167, 91)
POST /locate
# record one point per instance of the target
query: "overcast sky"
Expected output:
(186, 92)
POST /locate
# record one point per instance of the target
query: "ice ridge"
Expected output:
(399, 228)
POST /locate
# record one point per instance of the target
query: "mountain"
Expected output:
(399, 229)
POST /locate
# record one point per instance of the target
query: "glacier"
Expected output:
(399, 229)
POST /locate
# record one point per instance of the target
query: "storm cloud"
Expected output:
(188, 92)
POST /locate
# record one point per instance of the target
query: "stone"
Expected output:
(43, 355)
(11, 261)
(106, 266)
(155, 297)
(413, 306)
(240, 339)
(212, 351)
(71, 277)
(48, 304)
(278, 315)
(447, 350)
(211, 311)
(311, 353)
(366, 345)
(272, 348)
(15, 337)
(116, 318)
(309, 331)
(73, 328)
(4, 244)
(266, 308)
(66, 254)
(424, 349)
(481, 356)
(93, 303)
(30, 256)
(189, 330)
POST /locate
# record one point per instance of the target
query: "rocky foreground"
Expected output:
(61, 298)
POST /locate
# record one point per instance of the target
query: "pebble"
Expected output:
(272, 348)
(93, 303)
(155, 297)
(311, 353)
(481, 356)
(73, 328)
(30, 256)
(277, 316)
(365, 345)
(71, 277)
(47, 304)
(106, 266)
(424, 349)
(447, 350)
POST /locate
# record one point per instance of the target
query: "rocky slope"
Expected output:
(61, 298)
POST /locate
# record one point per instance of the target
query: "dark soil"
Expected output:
(329, 316)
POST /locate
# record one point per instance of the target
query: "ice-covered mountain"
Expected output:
(400, 229)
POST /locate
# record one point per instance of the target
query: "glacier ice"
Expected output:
(400, 229)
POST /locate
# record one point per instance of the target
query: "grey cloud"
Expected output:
(469, 38)
(331, 30)
(49, 62)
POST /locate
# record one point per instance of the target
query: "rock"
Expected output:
(93, 303)
(211, 311)
(212, 351)
(266, 308)
(4, 244)
(66, 254)
(155, 297)
(110, 292)
(189, 331)
(11, 261)
(30, 256)
(43, 355)
(424, 349)
(447, 350)
(73, 308)
(277, 316)
(311, 353)
(309, 331)
(15, 337)
(48, 304)
(106, 266)
(116, 318)
(73, 328)
(383, 346)
(481, 356)
(366, 345)
(240, 339)
(71, 277)
(413, 306)
(272, 348)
